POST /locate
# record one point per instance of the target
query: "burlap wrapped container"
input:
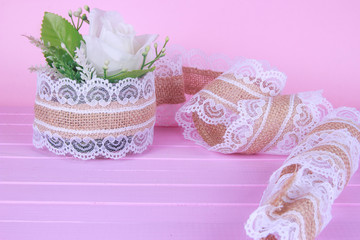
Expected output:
(297, 203)
(96, 118)
(241, 112)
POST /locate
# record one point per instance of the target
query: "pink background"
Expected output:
(316, 43)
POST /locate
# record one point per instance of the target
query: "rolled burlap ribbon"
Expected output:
(196, 79)
(297, 203)
(96, 118)
(241, 112)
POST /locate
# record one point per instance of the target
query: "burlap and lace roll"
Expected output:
(198, 69)
(297, 203)
(241, 112)
(96, 118)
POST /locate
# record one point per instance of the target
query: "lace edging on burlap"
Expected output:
(94, 92)
(89, 148)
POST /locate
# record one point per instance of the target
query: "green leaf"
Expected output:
(56, 30)
(129, 74)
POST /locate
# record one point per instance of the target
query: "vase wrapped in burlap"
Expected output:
(297, 202)
(96, 118)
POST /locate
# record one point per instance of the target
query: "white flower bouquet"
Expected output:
(96, 95)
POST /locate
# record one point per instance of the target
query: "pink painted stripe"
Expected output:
(140, 184)
(135, 184)
(43, 203)
(174, 204)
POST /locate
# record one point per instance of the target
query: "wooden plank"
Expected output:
(145, 171)
(116, 231)
(131, 193)
(156, 223)
(154, 151)
(145, 193)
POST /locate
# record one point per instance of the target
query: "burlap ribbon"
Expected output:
(297, 203)
(242, 111)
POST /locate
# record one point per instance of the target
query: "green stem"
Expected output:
(153, 61)
(143, 62)
(80, 25)
(105, 71)
(78, 22)
(72, 22)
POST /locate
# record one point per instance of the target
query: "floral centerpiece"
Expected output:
(96, 94)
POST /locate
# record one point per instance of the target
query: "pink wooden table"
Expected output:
(174, 191)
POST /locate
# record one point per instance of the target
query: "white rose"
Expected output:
(111, 39)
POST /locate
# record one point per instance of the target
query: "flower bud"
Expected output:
(155, 45)
(167, 39)
(70, 13)
(147, 49)
(63, 45)
(79, 10)
(84, 17)
(106, 63)
(86, 7)
(77, 14)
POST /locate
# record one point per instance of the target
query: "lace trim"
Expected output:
(261, 126)
(251, 71)
(309, 114)
(98, 131)
(169, 66)
(346, 113)
(240, 130)
(94, 92)
(239, 126)
(89, 148)
(98, 110)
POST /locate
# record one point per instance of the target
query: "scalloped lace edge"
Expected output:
(113, 147)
